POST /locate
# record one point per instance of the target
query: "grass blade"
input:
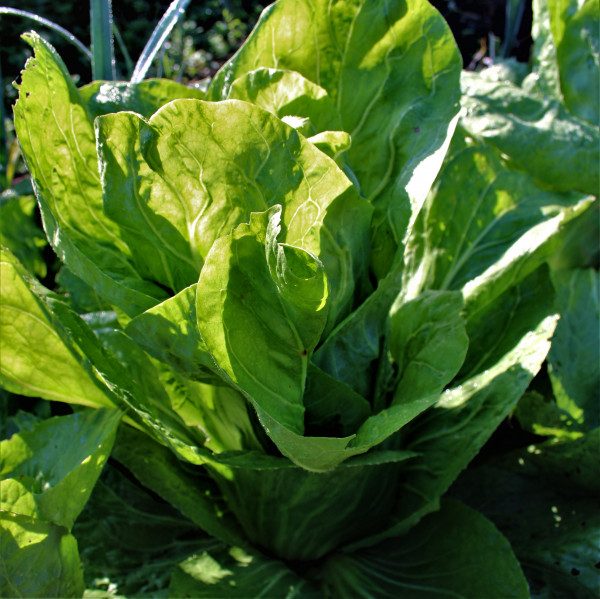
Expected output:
(103, 60)
(158, 38)
(50, 24)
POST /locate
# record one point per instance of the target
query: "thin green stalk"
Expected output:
(157, 39)
(3, 139)
(123, 48)
(4, 10)
(103, 54)
(514, 16)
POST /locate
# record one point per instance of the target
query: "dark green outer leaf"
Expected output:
(285, 512)
(518, 124)
(232, 573)
(544, 499)
(578, 54)
(192, 493)
(574, 360)
(455, 552)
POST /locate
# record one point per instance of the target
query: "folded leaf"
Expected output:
(198, 169)
(288, 93)
(279, 293)
(169, 332)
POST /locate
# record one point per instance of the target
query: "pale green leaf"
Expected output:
(391, 70)
(38, 359)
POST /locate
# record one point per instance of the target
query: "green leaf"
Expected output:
(56, 135)
(198, 169)
(221, 572)
(450, 434)
(543, 499)
(169, 332)
(541, 416)
(37, 559)
(38, 358)
(192, 493)
(332, 407)
(281, 509)
(455, 552)
(58, 461)
(428, 342)
(391, 70)
(139, 542)
(279, 292)
(287, 93)
(574, 360)
(145, 97)
(499, 213)
(517, 123)
(578, 54)
(20, 234)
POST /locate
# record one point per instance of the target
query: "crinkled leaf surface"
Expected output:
(59, 461)
(391, 69)
(455, 552)
(198, 169)
(38, 358)
(56, 135)
(288, 93)
(574, 359)
(517, 123)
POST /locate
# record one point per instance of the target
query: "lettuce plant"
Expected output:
(272, 317)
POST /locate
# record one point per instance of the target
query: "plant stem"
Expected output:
(103, 55)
